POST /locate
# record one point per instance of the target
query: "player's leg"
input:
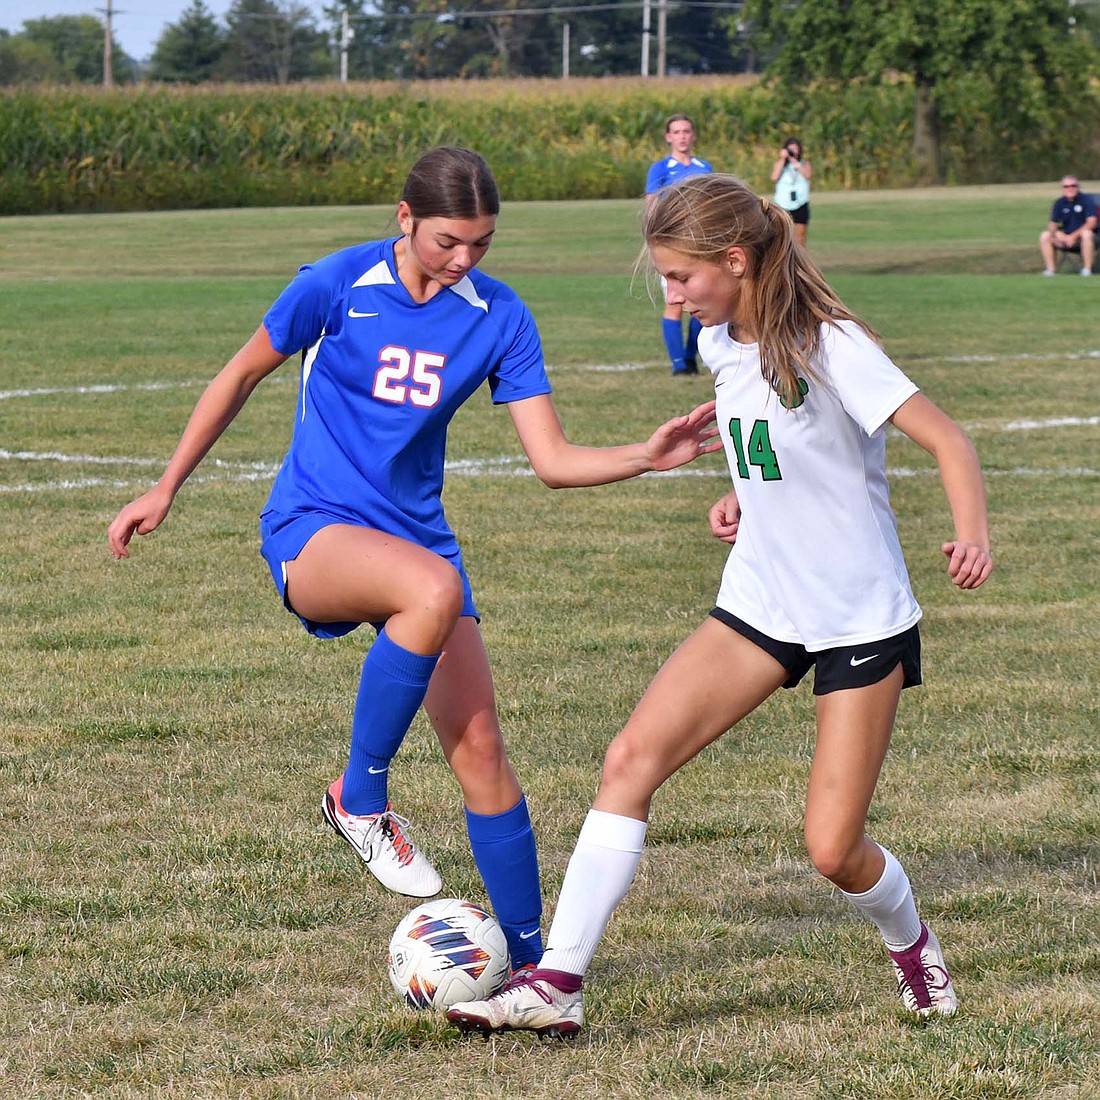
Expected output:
(713, 680)
(461, 706)
(854, 727)
(672, 331)
(348, 573)
(691, 347)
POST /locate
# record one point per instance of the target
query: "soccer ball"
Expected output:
(446, 951)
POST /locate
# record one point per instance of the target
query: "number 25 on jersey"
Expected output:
(408, 376)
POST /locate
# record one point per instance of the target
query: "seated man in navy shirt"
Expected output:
(1071, 229)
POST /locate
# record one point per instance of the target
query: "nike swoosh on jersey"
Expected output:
(857, 661)
(356, 313)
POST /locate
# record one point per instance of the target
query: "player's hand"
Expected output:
(725, 518)
(684, 438)
(138, 517)
(968, 564)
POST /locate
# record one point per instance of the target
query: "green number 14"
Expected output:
(758, 452)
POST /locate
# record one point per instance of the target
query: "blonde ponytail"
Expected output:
(703, 217)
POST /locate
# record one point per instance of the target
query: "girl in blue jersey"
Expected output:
(394, 336)
(680, 163)
(815, 579)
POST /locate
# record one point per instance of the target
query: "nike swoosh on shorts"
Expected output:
(857, 661)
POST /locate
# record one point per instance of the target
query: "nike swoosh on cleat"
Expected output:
(356, 313)
(857, 661)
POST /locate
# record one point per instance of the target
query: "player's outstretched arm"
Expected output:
(684, 438)
(969, 561)
(561, 464)
(213, 413)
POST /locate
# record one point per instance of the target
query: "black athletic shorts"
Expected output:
(800, 215)
(837, 669)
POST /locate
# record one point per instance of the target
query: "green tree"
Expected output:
(1023, 60)
(24, 62)
(189, 52)
(76, 43)
(273, 41)
(423, 39)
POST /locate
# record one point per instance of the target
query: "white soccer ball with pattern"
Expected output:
(446, 951)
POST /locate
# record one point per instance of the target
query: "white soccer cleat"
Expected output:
(923, 982)
(526, 1003)
(383, 843)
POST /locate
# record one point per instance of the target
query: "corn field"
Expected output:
(147, 148)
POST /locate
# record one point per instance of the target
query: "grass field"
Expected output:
(175, 922)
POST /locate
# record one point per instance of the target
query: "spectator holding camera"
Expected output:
(1072, 227)
(791, 175)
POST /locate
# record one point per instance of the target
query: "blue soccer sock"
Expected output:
(691, 349)
(674, 340)
(504, 851)
(391, 688)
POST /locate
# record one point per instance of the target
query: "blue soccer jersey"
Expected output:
(669, 170)
(381, 377)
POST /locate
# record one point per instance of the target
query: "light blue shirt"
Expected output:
(792, 189)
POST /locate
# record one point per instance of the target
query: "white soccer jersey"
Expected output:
(817, 559)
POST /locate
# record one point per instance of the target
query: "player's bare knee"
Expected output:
(625, 767)
(439, 592)
(831, 855)
(482, 749)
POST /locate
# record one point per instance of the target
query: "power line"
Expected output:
(552, 9)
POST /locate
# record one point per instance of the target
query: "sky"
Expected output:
(137, 23)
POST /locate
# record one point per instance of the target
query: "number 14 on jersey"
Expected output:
(757, 452)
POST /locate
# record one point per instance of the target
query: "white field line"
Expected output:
(503, 465)
(51, 391)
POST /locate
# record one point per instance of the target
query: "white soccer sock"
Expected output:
(889, 904)
(600, 872)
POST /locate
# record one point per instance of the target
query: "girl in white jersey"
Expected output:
(395, 335)
(815, 577)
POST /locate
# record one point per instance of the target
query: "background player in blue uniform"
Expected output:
(680, 162)
(394, 336)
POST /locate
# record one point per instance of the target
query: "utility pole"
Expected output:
(565, 51)
(645, 37)
(108, 59)
(662, 36)
(346, 35)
